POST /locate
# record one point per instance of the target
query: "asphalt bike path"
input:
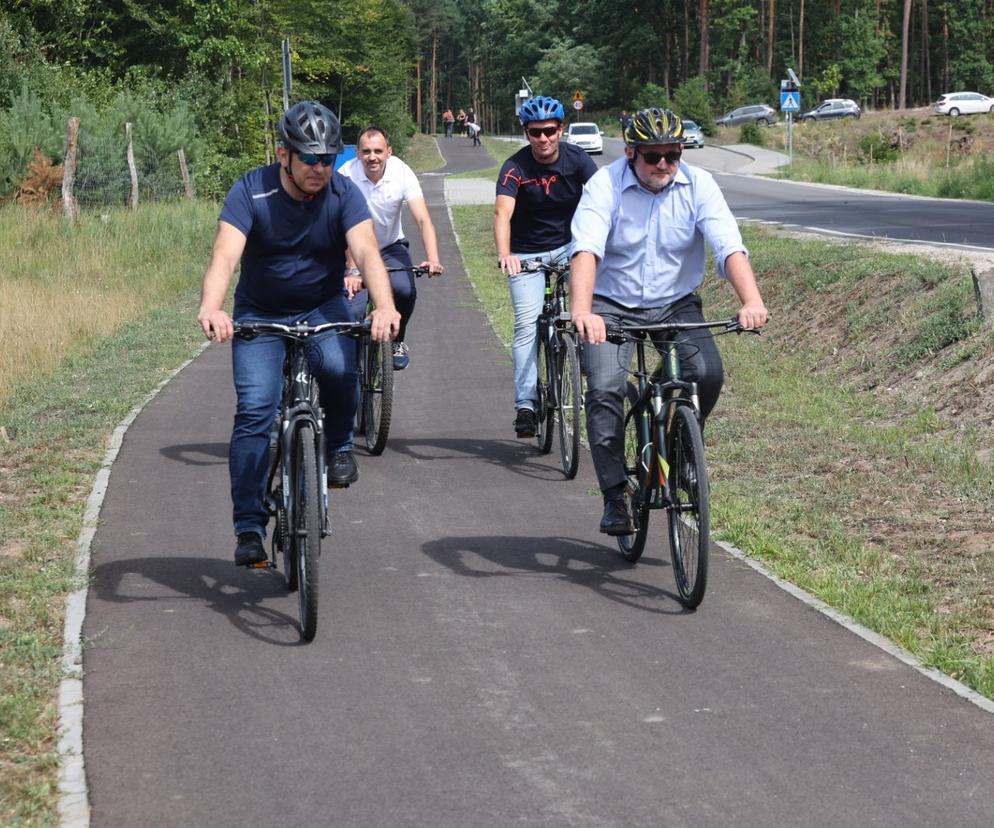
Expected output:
(484, 656)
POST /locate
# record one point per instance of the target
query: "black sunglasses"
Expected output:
(325, 159)
(548, 131)
(653, 158)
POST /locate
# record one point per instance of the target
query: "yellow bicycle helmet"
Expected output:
(653, 126)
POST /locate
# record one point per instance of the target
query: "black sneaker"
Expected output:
(525, 423)
(249, 550)
(342, 470)
(616, 520)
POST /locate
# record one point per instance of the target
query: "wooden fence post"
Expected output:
(133, 199)
(183, 171)
(69, 207)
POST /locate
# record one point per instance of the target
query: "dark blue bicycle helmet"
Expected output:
(311, 127)
(541, 108)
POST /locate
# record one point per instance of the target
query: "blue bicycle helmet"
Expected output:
(541, 108)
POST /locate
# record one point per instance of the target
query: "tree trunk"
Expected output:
(800, 44)
(417, 94)
(926, 57)
(906, 25)
(704, 58)
(434, 81)
(770, 36)
(133, 198)
(69, 208)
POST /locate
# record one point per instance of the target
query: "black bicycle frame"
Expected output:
(553, 318)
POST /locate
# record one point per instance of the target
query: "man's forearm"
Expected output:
(583, 275)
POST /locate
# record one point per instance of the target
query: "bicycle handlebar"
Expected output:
(623, 333)
(250, 330)
(538, 266)
(415, 269)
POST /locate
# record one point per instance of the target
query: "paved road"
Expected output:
(483, 657)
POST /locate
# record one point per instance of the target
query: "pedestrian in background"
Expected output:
(449, 120)
(461, 122)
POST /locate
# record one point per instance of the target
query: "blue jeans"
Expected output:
(605, 366)
(405, 294)
(527, 295)
(257, 368)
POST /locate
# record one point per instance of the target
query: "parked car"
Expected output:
(962, 103)
(692, 135)
(751, 114)
(832, 108)
(586, 136)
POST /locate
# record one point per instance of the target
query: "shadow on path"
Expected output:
(197, 454)
(577, 561)
(237, 594)
(520, 457)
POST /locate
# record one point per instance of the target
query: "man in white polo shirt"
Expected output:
(388, 182)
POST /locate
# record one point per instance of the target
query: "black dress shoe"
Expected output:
(342, 469)
(249, 549)
(616, 520)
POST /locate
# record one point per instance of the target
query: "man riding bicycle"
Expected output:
(387, 182)
(639, 234)
(537, 191)
(288, 225)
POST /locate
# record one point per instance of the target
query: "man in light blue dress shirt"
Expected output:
(638, 235)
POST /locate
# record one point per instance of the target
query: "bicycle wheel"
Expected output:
(377, 396)
(570, 405)
(281, 541)
(305, 533)
(689, 512)
(362, 361)
(638, 453)
(544, 413)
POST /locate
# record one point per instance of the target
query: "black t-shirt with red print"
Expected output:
(545, 196)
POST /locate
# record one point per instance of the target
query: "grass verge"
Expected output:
(422, 155)
(823, 466)
(55, 430)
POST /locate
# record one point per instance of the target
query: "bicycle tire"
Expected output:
(689, 512)
(632, 546)
(570, 405)
(378, 396)
(359, 425)
(306, 530)
(544, 413)
(281, 542)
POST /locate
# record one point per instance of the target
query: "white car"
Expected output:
(586, 136)
(962, 103)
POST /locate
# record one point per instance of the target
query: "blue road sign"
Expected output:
(790, 101)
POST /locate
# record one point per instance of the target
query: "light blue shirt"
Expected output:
(650, 246)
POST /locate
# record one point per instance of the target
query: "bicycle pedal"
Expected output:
(262, 565)
(338, 485)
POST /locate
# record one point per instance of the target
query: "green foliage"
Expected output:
(567, 67)
(827, 83)
(752, 134)
(949, 316)
(24, 126)
(876, 148)
(649, 96)
(691, 100)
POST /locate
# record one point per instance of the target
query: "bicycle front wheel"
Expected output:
(544, 412)
(377, 395)
(638, 468)
(305, 531)
(570, 405)
(689, 511)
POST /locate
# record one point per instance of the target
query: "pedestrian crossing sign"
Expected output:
(790, 101)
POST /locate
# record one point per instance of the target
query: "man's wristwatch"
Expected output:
(352, 271)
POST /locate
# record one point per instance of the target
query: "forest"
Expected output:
(205, 75)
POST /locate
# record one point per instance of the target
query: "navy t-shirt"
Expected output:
(294, 259)
(545, 196)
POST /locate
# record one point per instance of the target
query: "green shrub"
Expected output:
(752, 134)
(877, 148)
(651, 95)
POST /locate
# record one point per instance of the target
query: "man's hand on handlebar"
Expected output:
(434, 268)
(216, 325)
(590, 327)
(384, 324)
(510, 265)
(752, 315)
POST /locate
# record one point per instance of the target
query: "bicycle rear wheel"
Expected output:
(544, 413)
(639, 464)
(305, 533)
(689, 512)
(377, 395)
(570, 405)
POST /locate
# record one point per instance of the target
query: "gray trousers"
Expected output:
(607, 369)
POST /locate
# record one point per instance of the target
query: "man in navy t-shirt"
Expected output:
(288, 225)
(537, 192)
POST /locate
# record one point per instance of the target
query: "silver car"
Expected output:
(692, 135)
(752, 114)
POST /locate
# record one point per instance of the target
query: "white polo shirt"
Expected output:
(386, 197)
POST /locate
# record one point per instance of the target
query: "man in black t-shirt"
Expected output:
(537, 192)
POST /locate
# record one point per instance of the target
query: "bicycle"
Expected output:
(375, 365)
(664, 455)
(297, 493)
(558, 359)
